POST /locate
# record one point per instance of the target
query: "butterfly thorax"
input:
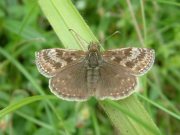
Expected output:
(93, 60)
(93, 56)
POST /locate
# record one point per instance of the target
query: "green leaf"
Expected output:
(63, 16)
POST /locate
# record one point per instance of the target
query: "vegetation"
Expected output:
(24, 29)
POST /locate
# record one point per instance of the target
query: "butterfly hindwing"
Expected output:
(70, 83)
(137, 60)
(50, 61)
(115, 82)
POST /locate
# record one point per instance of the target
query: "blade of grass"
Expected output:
(123, 106)
(36, 121)
(29, 118)
(24, 46)
(143, 20)
(167, 2)
(62, 15)
(95, 123)
(160, 107)
(22, 103)
(24, 22)
(157, 87)
(136, 26)
(166, 100)
(21, 68)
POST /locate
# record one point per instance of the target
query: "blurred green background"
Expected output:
(24, 29)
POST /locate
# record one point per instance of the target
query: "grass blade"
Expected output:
(22, 103)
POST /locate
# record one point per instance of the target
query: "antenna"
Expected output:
(110, 36)
(79, 39)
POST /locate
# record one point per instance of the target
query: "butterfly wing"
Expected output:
(70, 83)
(50, 61)
(137, 60)
(115, 82)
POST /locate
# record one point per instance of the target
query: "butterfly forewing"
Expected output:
(70, 83)
(137, 60)
(51, 61)
(115, 82)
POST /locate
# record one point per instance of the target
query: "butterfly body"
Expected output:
(77, 75)
(94, 61)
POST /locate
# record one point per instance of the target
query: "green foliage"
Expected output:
(24, 30)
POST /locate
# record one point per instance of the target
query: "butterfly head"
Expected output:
(94, 47)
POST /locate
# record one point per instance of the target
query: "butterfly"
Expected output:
(77, 75)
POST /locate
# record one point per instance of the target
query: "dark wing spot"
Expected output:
(69, 59)
(130, 64)
(141, 56)
(127, 52)
(118, 59)
(59, 53)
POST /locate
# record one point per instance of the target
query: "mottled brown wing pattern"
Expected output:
(115, 82)
(76, 75)
(137, 60)
(70, 83)
(51, 61)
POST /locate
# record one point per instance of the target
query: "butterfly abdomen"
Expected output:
(92, 78)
